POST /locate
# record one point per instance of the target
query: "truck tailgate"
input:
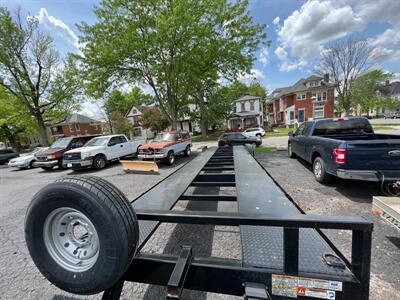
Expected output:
(373, 154)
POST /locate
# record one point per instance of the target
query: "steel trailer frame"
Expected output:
(260, 217)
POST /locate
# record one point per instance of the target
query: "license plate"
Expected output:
(69, 165)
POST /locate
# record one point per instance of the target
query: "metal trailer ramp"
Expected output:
(284, 253)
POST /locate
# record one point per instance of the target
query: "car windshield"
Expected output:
(61, 143)
(102, 141)
(349, 126)
(36, 150)
(164, 137)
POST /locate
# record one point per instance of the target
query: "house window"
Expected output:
(280, 104)
(319, 112)
(242, 106)
(77, 127)
(71, 127)
(319, 96)
(301, 96)
(134, 111)
(251, 105)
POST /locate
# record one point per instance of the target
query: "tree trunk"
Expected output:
(173, 123)
(203, 119)
(43, 138)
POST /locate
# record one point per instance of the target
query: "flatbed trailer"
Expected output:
(285, 254)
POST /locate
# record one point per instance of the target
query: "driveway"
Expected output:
(342, 197)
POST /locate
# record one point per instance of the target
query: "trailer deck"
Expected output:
(285, 255)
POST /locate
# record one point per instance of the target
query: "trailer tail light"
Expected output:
(340, 155)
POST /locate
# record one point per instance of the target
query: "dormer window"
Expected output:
(241, 106)
(251, 105)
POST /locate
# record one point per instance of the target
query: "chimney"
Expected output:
(326, 77)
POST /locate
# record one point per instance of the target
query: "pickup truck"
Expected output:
(347, 148)
(166, 145)
(97, 152)
(53, 156)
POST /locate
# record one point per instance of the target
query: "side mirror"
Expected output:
(291, 134)
(111, 144)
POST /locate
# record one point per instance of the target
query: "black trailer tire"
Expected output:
(319, 171)
(110, 235)
(187, 151)
(170, 159)
(290, 151)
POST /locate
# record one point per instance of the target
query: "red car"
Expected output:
(166, 146)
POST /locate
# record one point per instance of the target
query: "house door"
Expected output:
(301, 115)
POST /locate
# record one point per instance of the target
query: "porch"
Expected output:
(238, 121)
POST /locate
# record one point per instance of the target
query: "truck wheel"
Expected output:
(290, 151)
(99, 162)
(81, 233)
(319, 171)
(187, 150)
(170, 158)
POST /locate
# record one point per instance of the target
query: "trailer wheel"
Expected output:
(81, 233)
(319, 171)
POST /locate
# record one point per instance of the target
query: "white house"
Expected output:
(133, 116)
(247, 112)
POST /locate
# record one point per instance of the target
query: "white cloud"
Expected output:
(93, 110)
(58, 26)
(276, 20)
(307, 30)
(264, 56)
(286, 64)
(254, 75)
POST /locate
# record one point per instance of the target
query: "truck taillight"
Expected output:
(340, 155)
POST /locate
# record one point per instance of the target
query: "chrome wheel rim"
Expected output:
(290, 149)
(188, 150)
(71, 239)
(171, 158)
(100, 163)
(317, 169)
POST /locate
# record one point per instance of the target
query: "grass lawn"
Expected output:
(264, 149)
(210, 137)
(382, 127)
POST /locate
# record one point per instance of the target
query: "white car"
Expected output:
(97, 152)
(257, 132)
(26, 160)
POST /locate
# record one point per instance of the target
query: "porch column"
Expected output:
(242, 123)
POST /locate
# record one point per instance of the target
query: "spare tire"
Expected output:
(81, 233)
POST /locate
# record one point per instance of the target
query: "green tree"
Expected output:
(30, 70)
(15, 120)
(365, 91)
(177, 47)
(117, 106)
(153, 119)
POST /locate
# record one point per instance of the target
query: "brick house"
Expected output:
(247, 112)
(309, 98)
(76, 124)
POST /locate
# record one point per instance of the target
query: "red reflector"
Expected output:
(340, 155)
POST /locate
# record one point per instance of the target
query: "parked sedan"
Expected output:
(26, 160)
(257, 132)
(238, 139)
(7, 154)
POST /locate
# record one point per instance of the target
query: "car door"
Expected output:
(124, 146)
(113, 148)
(180, 145)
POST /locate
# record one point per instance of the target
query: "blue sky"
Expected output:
(298, 30)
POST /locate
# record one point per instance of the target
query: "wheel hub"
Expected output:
(317, 169)
(71, 239)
